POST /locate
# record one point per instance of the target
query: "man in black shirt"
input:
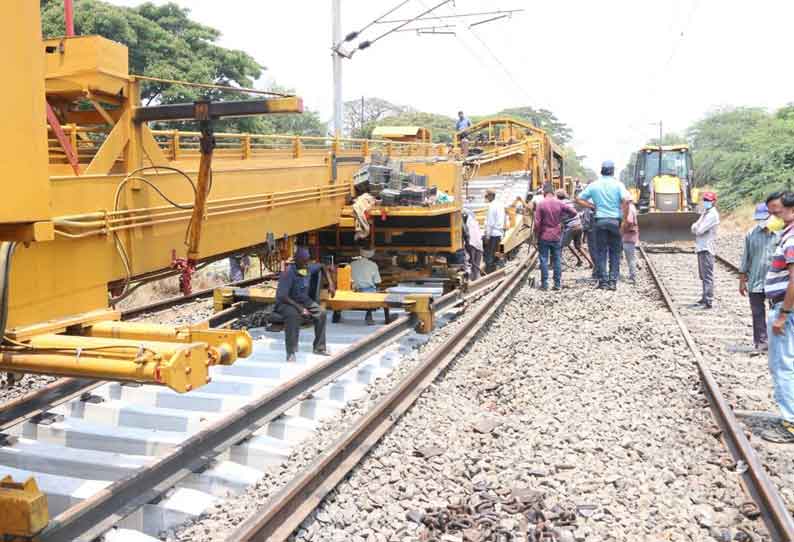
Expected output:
(294, 302)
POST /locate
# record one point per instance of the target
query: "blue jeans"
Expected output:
(545, 247)
(781, 363)
(609, 243)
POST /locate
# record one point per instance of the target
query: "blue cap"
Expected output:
(608, 163)
(761, 212)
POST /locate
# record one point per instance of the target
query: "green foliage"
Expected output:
(441, 127)
(744, 152)
(362, 115)
(574, 165)
(560, 132)
(164, 42)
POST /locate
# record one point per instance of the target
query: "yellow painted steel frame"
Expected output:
(278, 185)
(509, 145)
(419, 304)
(23, 509)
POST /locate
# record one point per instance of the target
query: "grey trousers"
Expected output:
(630, 251)
(758, 309)
(706, 274)
(473, 261)
(292, 326)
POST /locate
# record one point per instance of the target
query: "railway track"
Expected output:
(145, 459)
(730, 372)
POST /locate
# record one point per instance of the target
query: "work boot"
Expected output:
(291, 358)
(544, 287)
(556, 288)
(697, 305)
(321, 352)
(612, 286)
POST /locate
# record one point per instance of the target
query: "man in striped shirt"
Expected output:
(779, 290)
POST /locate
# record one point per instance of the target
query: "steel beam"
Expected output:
(217, 110)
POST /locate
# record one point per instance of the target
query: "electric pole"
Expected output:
(336, 37)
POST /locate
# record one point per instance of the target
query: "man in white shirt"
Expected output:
(494, 230)
(705, 230)
(366, 276)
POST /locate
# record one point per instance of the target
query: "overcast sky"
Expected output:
(607, 68)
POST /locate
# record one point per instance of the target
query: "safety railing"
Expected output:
(106, 222)
(179, 145)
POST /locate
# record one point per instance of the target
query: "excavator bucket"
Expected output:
(661, 227)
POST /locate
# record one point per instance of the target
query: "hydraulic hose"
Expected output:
(6, 252)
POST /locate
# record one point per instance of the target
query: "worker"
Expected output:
(462, 123)
(608, 197)
(366, 276)
(238, 265)
(759, 245)
(494, 229)
(474, 248)
(705, 230)
(630, 228)
(572, 231)
(549, 216)
(294, 302)
(587, 218)
(779, 290)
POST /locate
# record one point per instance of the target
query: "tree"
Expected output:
(441, 127)
(164, 42)
(540, 118)
(360, 113)
(574, 165)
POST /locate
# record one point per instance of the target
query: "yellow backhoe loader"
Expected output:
(665, 197)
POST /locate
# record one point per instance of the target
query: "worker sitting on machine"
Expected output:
(366, 276)
(295, 302)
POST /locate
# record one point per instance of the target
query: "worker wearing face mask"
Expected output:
(759, 245)
(705, 230)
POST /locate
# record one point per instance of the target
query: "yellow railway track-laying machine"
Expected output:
(97, 201)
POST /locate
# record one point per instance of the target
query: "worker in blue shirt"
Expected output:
(609, 198)
(294, 302)
(462, 122)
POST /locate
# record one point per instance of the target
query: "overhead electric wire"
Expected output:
(423, 28)
(458, 16)
(369, 43)
(353, 35)
(229, 88)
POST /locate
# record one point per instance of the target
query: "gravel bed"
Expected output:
(730, 245)
(595, 408)
(218, 522)
(187, 313)
(28, 384)
(724, 336)
(181, 315)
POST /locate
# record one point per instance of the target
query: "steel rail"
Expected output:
(282, 514)
(64, 390)
(755, 479)
(90, 518)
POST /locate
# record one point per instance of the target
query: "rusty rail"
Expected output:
(755, 480)
(285, 511)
